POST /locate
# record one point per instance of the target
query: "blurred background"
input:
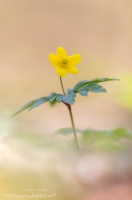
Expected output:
(101, 32)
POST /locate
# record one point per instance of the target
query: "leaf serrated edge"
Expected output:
(76, 87)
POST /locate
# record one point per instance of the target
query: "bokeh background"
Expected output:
(100, 31)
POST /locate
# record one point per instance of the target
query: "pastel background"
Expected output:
(100, 31)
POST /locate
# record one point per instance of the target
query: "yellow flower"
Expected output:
(63, 63)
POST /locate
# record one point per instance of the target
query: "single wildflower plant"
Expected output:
(66, 64)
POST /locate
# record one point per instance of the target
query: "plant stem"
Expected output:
(62, 85)
(73, 126)
(71, 117)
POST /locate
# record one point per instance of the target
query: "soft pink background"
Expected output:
(101, 31)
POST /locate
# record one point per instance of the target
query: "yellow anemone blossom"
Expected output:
(63, 63)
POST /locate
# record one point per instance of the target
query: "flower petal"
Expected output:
(60, 51)
(75, 58)
(72, 70)
(53, 60)
(61, 71)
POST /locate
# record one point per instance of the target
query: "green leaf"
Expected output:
(67, 131)
(71, 92)
(59, 97)
(69, 99)
(82, 88)
(83, 93)
(26, 106)
(90, 87)
(53, 102)
(85, 86)
(52, 97)
(120, 133)
(39, 102)
(99, 80)
(81, 83)
(42, 100)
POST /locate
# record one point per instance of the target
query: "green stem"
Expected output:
(71, 117)
(73, 126)
(62, 85)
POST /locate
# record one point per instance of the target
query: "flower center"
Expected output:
(64, 62)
